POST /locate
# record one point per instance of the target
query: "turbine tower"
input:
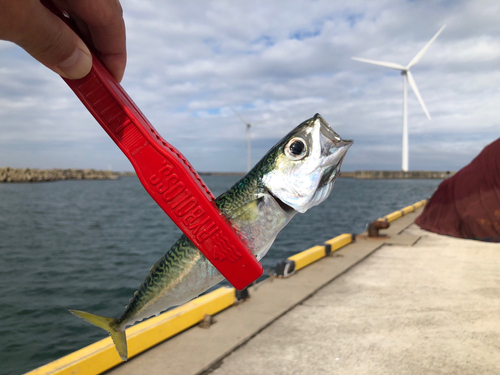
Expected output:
(248, 137)
(407, 78)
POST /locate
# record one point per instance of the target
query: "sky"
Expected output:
(276, 63)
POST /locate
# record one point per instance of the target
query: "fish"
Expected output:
(296, 174)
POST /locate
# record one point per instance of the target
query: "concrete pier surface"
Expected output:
(412, 302)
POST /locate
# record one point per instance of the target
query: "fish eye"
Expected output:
(296, 149)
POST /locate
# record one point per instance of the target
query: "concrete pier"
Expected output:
(412, 302)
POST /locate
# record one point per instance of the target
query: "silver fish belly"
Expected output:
(258, 225)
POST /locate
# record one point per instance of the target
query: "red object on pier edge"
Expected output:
(467, 205)
(164, 172)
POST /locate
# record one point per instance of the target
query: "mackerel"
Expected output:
(296, 174)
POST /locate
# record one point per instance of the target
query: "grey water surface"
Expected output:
(87, 245)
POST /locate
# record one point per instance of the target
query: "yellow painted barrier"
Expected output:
(315, 253)
(407, 209)
(340, 241)
(397, 214)
(423, 202)
(308, 256)
(393, 216)
(101, 356)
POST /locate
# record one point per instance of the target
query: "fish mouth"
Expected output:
(337, 153)
(333, 147)
(285, 207)
(333, 152)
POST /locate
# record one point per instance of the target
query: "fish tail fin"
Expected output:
(108, 324)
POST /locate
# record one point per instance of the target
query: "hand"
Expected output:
(49, 40)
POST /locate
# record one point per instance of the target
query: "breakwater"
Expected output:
(397, 175)
(8, 174)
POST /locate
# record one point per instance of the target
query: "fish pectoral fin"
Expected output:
(247, 212)
(108, 324)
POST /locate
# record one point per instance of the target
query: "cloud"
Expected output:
(277, 63)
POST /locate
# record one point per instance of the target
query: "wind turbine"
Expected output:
(407, 77)
(248, 137)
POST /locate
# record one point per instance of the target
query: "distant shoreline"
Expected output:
(397, 175)
(221, 173)
(15, 175)
(369, 175)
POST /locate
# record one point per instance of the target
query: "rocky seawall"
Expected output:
(397, 175)
(43, 175)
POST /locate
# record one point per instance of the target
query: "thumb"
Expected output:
(50, 41)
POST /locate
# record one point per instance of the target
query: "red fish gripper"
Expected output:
(165, 173)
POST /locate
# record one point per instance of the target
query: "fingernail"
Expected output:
(76, 66)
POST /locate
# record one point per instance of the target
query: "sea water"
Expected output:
(87, 245)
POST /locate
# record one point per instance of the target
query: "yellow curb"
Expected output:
(397, 214)
(407, 209)
(340, 241)
(315, 253)
(393, 216)
(308, 256)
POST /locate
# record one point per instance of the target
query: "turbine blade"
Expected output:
(238, 115)
(380, 63)
(419, 55)
(413, 85)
